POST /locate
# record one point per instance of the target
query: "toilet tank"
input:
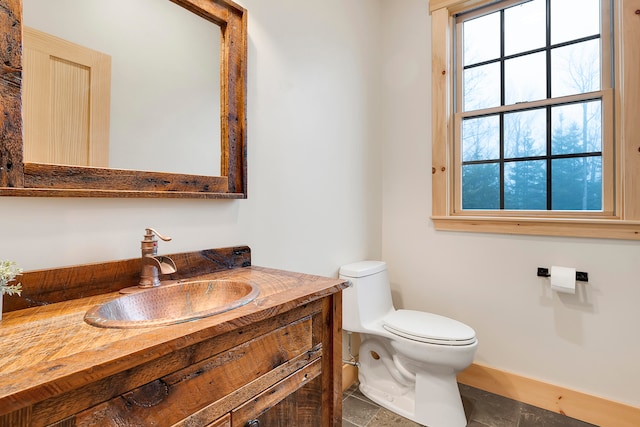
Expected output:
(369, 297)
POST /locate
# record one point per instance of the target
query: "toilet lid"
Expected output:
(428, 328)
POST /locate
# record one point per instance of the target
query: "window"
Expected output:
(516, 154)
(524, 134)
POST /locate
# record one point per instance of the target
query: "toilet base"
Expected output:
(391, 385)
(401, 405)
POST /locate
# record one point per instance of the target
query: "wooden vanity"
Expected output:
(275, 361)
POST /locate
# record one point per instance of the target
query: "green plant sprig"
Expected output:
(8, 272)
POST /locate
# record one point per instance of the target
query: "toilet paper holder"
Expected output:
(581, 276)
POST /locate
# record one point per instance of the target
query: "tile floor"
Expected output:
(482, 409)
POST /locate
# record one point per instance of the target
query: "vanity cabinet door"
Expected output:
(294, 401)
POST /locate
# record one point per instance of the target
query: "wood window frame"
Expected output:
(620, 222)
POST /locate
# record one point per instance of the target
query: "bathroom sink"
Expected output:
(170, 304)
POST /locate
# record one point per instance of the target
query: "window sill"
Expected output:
(593, 228)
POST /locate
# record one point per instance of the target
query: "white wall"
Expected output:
(313, 151)
(586, 342)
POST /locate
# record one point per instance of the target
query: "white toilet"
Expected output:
(408, 359)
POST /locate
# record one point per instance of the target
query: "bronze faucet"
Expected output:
(152, 263)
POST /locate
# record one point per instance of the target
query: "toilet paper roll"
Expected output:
(563, 279)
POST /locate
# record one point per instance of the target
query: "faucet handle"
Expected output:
(149, 244)
(149, 232)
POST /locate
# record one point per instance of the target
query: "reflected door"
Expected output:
(66, 101)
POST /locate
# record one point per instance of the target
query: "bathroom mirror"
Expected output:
(24, 178)
(107, 89)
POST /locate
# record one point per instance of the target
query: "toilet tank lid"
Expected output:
(362, 268)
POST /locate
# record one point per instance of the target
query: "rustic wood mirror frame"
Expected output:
(19, 178)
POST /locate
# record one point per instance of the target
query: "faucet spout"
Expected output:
(152, 267)
(167, 266)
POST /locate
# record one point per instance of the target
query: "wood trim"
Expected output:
(57, 177)
(455, 5)
(11, 163)
(440, 66)
(332, 359)
(629, 92)
(606, 229)
(575, 404)
(232, 19)
(349, 376)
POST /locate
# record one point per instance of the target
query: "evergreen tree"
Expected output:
(481, 186)
(480, 182)
(525, 184)
(577, 181)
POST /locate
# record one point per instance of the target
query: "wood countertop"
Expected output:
(49, 350)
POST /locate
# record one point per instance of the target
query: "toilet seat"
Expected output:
(428, 328)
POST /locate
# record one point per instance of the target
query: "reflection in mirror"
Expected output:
(163, 107)
(37, 179)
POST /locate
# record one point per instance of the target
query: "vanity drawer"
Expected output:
(179, 395)
(221, 422)
(296, 399)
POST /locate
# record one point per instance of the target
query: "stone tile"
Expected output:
(489, 409)
(536, 417)
(348, 392)
(386, 418)
(358, 411)
(351, 389)
(357, 393)
(476, 424)
(482, 409)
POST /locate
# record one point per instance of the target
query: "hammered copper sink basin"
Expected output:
(170, 304)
